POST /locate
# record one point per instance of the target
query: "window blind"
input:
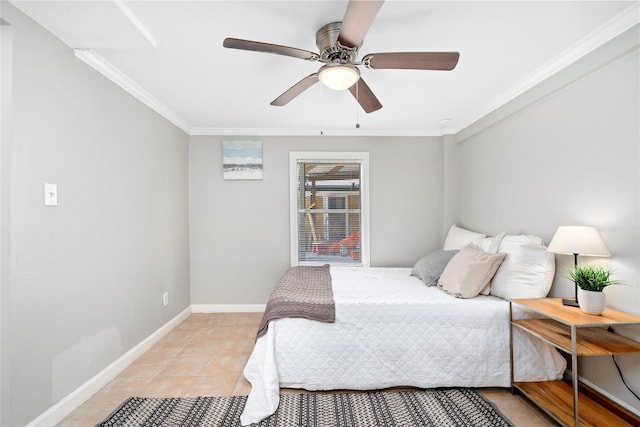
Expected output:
(328, 210)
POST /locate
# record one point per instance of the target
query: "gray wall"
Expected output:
(86, 277)
(567, 153)
(240, 229)
(6, 66)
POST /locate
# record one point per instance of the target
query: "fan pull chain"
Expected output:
(321, 109)
(358, 104)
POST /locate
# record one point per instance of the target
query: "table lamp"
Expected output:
(577, 240)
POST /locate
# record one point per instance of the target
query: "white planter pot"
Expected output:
(591, 302)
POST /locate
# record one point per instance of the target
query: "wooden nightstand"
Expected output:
(579, 335)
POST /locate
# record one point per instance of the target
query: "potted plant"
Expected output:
(591, 281)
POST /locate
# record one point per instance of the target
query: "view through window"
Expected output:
(329, 222)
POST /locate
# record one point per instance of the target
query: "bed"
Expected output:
(392, 330)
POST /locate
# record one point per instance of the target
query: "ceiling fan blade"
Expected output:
(295, 90)
(365, 97)
(445, 61)
(357, 20)
(270, 48)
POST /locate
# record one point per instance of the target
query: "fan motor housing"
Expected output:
(330, 49)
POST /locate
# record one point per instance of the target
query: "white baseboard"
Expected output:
(227, 308)
(68, 404)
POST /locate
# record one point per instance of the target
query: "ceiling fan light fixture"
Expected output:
(339, 76)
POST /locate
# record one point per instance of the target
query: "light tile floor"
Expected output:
(205, 355)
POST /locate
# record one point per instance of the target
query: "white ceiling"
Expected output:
(169, 54)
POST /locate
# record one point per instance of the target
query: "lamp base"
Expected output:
(570, 301)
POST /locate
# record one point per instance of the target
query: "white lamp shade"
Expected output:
(572, 239)
(339, 76)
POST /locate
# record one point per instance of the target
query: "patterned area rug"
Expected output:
(433, 407)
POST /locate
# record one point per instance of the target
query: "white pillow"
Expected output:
(491, 245)
(457, 238)
(513, 241)
(527, 271)
(469, 271)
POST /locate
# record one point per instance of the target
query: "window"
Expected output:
(329, 208)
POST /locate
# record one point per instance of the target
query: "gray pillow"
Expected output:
(430, 267)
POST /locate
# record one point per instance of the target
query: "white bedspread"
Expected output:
(392, 330)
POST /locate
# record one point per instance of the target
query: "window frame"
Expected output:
(329, 157)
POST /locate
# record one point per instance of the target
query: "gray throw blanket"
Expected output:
(303, 292)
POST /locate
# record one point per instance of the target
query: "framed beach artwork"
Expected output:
(242, 160)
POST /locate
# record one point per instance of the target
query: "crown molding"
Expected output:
(108, 70)
(605, 33)
(310, 132)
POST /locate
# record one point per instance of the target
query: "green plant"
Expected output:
(592, 278)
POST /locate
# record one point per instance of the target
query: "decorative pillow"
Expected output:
(527, 271)
(469, 271)
(457, 238)
(430, 267)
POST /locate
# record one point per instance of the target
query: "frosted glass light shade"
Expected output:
(339, 76)
(572, 239)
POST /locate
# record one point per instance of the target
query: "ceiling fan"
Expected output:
(338, 44)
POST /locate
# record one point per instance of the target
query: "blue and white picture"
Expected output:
(242, 159)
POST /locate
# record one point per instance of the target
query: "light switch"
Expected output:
(50, 194)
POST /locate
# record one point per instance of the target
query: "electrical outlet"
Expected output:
(165, 299)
